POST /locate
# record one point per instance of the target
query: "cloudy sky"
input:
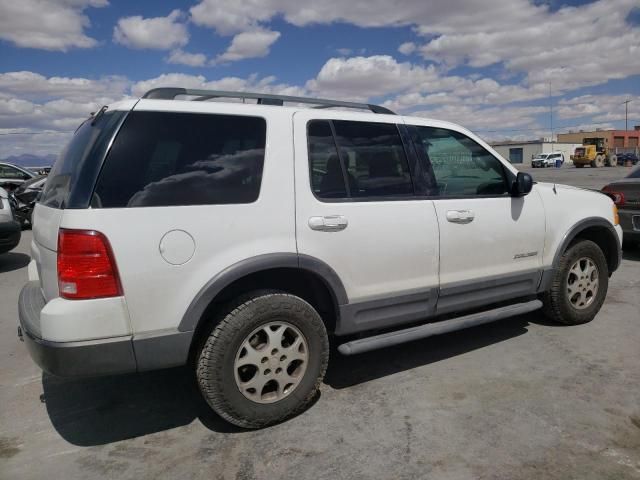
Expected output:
(494, 66)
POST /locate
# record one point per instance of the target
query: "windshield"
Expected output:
(542, 156)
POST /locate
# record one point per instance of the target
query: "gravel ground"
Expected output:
(518, 399)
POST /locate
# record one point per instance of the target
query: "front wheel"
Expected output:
(264, 361)
(579, 286)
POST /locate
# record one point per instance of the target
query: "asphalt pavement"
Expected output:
(518, 399)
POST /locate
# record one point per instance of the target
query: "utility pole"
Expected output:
(551, 115)
(626, 114)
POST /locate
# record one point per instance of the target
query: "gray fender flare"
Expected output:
(213, 287)
(613, 258)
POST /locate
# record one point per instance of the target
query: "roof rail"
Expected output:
(170, 93)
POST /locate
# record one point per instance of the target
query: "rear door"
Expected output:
(359, 212)
(491, 243)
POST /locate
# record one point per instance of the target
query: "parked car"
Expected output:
(245, 234)
(25, 196)
(626, 195)
(9, 226)
(544, 160)
(12, 175)
(623, 158)
(40, 170)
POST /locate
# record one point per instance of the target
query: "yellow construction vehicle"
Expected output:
(594, 152)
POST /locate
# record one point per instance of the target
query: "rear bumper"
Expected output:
(91, 358)
(70, 359)
(10, 233)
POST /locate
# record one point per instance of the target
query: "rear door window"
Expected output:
(363, 160)
(166, 159)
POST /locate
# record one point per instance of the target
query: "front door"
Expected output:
(491, 243)
(357, 212)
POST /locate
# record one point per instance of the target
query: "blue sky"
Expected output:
(487, 65)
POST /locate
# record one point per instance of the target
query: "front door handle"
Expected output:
(460, 216)
(329, 223)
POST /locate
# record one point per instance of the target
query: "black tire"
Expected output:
(216, 361)
(557, 305)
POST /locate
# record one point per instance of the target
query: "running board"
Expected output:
(438, 328)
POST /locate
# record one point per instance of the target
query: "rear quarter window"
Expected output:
(82, 155)
(167, 159)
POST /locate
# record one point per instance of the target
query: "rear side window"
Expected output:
(362, 160)
(167, 159)
(85, 147)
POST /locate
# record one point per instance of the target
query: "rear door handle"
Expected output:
(460, 216)
(329, 223)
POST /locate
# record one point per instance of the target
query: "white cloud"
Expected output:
(363, 77)
(181, 57)
(47, 25)
(344, 51)
(407, 48)
(160, 33)
(251, 83)
(604, 108)
(251, 44)
(30, 85)
(519, 35)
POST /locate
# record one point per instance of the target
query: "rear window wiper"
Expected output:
(98, 114)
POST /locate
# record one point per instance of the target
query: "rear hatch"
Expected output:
(69, 186)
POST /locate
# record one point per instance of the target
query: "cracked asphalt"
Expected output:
(518, 399)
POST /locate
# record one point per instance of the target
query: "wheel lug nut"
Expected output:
(283, 358)
(274, 351)
(278, 370)
(265, 359)
(267, 371)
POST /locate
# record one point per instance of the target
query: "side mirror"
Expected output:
(522, 185)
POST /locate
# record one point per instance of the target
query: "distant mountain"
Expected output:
(28, 160)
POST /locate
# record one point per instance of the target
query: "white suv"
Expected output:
(543, 160)
(237, 237)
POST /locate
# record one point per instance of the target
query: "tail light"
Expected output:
(617, 197)
(86, 265)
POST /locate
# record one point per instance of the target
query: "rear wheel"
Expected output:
(579, 286)
(613, 161)
(264, 361)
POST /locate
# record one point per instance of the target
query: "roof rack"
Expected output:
(170, 93)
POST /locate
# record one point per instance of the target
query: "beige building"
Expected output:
(613, 138)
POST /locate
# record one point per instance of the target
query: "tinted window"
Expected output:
(327, 176)
(163, 159)
(69, 164)
(461, 166)
(371, 160)
(7, 171)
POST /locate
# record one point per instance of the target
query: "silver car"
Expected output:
(9, 227)
(12, 175)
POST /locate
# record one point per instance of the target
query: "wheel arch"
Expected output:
(302, 275)
(599, 231)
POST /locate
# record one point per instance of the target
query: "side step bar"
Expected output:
(397, 337)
